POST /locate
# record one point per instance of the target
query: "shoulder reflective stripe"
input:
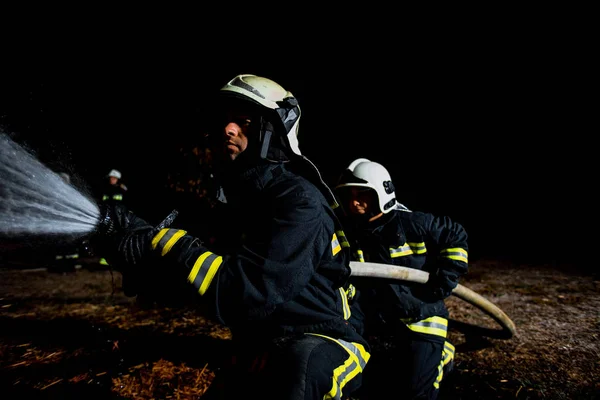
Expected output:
(342, 239)
(204, 270)
(345, 305)
(335, 245)
(166, 238)
(456, 254)
(354, 365)
(418, 248)
(437, 326)
(403, 250)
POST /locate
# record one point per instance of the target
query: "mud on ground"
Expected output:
(76, 335)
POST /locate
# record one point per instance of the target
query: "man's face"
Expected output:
(235, 134)
(361, 200)
(233, 129)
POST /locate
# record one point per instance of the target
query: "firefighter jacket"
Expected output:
(416, 240)
(113, 193)
(285, 271)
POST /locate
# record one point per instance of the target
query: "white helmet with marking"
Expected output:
(369, 174)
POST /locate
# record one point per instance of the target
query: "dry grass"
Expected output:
(77, 336)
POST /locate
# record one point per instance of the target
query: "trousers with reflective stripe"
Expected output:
(300, 367)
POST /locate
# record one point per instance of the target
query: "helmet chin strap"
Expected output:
(266, 142)
(272, 148)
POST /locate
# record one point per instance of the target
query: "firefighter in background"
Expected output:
(410, 318)
(114, 189)
(280, 281)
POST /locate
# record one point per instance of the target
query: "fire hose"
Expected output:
(106, 227)
(389, 271)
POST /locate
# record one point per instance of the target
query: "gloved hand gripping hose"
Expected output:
(109, 223)
(106, 223)
(116, 235)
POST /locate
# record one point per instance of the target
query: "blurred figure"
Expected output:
(114, 189)
(408, 320)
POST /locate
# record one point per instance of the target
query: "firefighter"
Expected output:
(114, 189)
(280, 282)
(408, 320)
(113, 192)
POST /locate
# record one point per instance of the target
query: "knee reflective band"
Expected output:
(447, 357)
(354, 365)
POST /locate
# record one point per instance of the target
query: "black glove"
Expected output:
(123, 238)
(439, 287)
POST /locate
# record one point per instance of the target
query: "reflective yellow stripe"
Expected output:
(117, 197)
(447, 356)
(345, 305)
(335, 245)
(448, 353)
(342, 239)
(360, 256)
(351, 292)
(437, 326)
(403, 250)
(166, 238)
(354, 365)
(418, 248)
(204, 270)
(456, 254)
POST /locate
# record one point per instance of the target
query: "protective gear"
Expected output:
(410, 321)
(123, 237)
(279, 113)
(437, 287)
(368, 174)
(114, 173)
(282, 111)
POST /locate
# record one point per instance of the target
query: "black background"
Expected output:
(493, 131)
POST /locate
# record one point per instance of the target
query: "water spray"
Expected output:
(36, 201)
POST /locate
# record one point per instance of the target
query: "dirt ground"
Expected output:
(76, 335)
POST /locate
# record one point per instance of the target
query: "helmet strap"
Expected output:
(266, 141)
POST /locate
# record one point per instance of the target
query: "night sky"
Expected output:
(494, 138)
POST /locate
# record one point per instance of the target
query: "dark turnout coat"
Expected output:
(417, 240)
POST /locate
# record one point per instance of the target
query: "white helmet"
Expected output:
(114, 173)
(281, 105)
(368, 174)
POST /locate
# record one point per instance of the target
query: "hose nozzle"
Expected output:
(106, 222)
